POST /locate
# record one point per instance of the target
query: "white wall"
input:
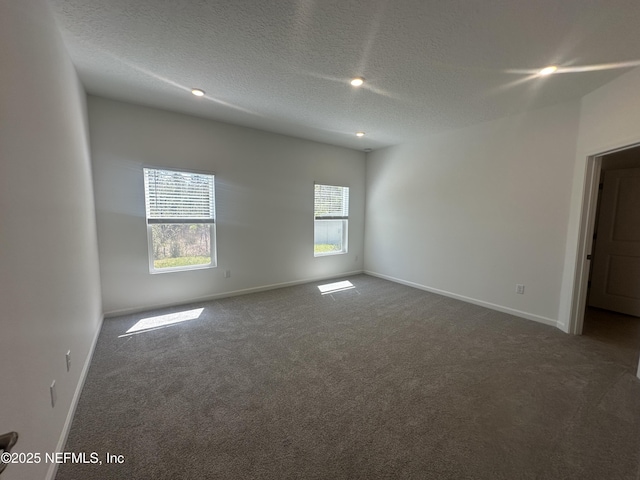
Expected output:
(471, 213)
(609, 119)
(49, 280)
(264, 203)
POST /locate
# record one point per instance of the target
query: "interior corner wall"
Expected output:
(473, 212)
(49, 279)
(264, 204)
(609, 120)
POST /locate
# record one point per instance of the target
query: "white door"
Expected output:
(615, 280)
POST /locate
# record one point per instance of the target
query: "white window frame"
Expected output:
(153, 218)
(336, 214)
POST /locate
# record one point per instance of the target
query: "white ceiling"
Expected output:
(284, 65)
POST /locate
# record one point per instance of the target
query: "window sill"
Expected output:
(329, 254)
(181, 269)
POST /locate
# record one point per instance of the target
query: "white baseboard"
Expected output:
(53, 468)
(492, 306)
(234, 293)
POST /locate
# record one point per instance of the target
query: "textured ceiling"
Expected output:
(284, 65)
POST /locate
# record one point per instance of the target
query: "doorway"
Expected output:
(612, 300)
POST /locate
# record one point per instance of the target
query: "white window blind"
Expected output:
(331, 202)
(179, 197)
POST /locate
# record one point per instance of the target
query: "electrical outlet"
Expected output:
(68, 356)
(519, 288)
(227, 274)
(54, 394)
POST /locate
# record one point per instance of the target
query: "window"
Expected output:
(180, 219)
(331, 212)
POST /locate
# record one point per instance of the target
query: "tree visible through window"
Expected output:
(331, 213)
(180, 209)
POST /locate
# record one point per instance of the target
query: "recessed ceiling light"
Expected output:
(197, 92)
(548, 70)
(359, 134)
(357, 82)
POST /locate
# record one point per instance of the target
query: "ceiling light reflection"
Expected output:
(548, 70)
(576, 69)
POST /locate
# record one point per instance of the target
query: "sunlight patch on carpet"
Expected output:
(162, 321)
(335, 287)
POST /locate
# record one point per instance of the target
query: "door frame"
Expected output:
(585, 238)
(585, 242)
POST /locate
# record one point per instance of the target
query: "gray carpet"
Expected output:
(379, 381)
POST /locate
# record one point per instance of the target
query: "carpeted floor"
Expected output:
(377, 381)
